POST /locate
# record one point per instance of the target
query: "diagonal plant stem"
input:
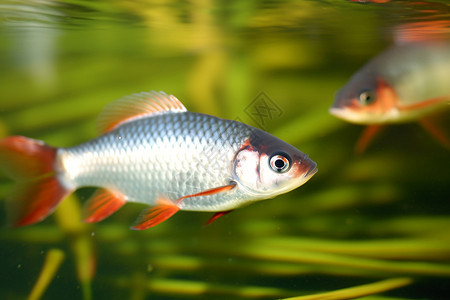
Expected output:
(359, 291)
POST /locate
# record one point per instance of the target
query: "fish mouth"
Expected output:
(311, 171)
(312, 167)
(348, 115)
(305, 173)
(337, 112)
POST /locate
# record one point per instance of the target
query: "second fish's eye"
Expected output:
(366, 97)
(279, 163)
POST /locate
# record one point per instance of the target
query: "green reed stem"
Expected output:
(53, 261)
(359, 291)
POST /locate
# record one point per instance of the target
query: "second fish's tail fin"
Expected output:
(38, 191)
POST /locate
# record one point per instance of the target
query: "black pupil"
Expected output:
(366, 96)
(279, 163)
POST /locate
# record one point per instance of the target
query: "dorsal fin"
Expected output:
(137, 106)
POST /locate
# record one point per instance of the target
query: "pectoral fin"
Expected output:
(102, 204)
(220, 189)
(366, 138)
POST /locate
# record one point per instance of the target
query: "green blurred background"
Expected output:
(360, 219)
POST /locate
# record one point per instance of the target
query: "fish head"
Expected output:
(266, 166)
(366, 99)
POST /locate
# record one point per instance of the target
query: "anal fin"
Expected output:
(101, 205)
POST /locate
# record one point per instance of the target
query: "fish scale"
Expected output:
(137, 164)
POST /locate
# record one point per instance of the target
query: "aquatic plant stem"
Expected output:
(53, 261)
(68, 215)
(359, 291)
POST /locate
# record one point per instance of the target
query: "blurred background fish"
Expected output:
(404, 83)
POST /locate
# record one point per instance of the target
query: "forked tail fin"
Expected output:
(38, 191)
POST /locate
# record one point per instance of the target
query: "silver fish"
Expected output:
(402, 84)
(157, 153)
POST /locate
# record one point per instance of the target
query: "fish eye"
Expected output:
(366, 97)
(280, 163)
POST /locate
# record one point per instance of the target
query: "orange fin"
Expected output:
(366, 138)
(102, 204)
(424, 104)
(155, 215)
(38, 190)
(217, 215)
(435, 131)
(212, 191)
(137, 106)
(166, 208)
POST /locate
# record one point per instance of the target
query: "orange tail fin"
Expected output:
(38, 190)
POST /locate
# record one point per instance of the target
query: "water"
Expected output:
(361, 219)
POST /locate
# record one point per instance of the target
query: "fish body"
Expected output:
(402, 84)
(157, 153)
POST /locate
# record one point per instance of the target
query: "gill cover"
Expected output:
(265, 166)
